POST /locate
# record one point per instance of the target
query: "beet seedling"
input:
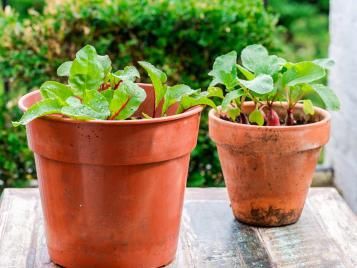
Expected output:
(266, 79)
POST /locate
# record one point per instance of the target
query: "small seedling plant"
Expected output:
(266, 79)
(95, 92)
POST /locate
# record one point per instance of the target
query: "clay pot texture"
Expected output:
(112, 191)
(267, 169)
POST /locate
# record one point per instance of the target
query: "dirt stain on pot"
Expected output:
(272, 216)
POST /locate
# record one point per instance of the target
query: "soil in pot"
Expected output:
(268, 170)
(112, 191)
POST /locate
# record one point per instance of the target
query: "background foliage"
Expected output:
(182, 37)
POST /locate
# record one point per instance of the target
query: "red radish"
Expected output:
(271, 117)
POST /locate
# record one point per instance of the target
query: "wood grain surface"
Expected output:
(325, 236)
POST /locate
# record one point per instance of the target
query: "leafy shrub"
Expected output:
(181, 37)
(306, 27)
(16, 161)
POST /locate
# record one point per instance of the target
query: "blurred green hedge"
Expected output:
(305, 27)
(182, 37)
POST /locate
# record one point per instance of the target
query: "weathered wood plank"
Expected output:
(304, 244)
(325, 236)
(337, 219)
(216, 239)
(19, 212)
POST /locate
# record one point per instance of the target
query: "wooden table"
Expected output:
(325, 236)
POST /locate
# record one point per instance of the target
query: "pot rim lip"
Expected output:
(188, 113)
(326, 118)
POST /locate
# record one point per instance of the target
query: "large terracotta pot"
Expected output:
(112, 191)
(268, 170)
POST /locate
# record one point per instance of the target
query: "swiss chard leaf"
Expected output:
(105, 62)
(108, 94)
(126, 100)
(175, 94)
(129, 73)
(64, 68)
(41, 108)
(87, 72)
(56, 90)
(158, 79)
(79, 111)
(97, 102)
(195, 100)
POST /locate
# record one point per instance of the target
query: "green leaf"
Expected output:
(81, 112)
(303, 72)
(256, 117)
(233, 113)
(77, 110)
(224, 70)
(262, 84)
(64, 68)
(235, 94)
(41, 108)
(175, 94)
(105, 62)
(328, 97)
(308, 107)
(126, 100)
(119, 100)
(97, 102)
(129, 73)
(87, 72)
(108, 94)
(245, 72)
(215, 92)
(194, 100)
(158, 79)
(256, 59)
(55, 90)
(324, 63)
(73, 101)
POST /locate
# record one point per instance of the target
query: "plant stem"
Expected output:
(290, 121)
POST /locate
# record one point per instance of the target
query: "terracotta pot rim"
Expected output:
(189, 112)
(325, 114)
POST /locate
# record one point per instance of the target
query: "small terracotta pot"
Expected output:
(268, 170)
(112, 191)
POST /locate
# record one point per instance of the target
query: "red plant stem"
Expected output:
(118, 112)
(243, 119)
(290, 121)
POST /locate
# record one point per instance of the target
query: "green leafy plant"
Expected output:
(266, 79)
(95, 92)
